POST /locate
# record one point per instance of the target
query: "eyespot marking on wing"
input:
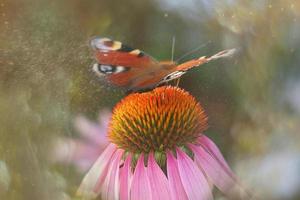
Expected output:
(108, 69)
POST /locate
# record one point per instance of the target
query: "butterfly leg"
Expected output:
(177, 81)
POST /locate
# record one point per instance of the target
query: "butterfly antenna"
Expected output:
(173, 50)
(192, 51)
(173, 47)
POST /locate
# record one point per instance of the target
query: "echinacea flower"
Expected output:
(84, 150)
(158, 151)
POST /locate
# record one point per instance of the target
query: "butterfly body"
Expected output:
(131, 68)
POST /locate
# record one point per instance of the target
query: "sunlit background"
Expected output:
(252, 100)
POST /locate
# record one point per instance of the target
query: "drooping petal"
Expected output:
(215, 152)
(111, 187)
(140, 188)
(237, 190)
(193, 180)
(213, 169)
(125, 179)
(176, 187)
(77, 152)
(158, 180)
(92, 181)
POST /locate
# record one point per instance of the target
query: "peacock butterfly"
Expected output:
(134, 70)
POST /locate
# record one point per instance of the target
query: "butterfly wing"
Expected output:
(181, 69)
(123, 66)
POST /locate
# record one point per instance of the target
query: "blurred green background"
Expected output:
(252, 100)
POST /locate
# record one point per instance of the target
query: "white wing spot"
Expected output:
(119, 69)
(135, 52)
(172, 76)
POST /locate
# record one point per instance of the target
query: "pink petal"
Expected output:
(176, 187)
(193, 180)
(213, 169)
(86, 158)
(210, 147)
(158, 180)
(77, 152)
(125, 179)
(111, 187)
(92, 181)
(140, 189)
(237, 189)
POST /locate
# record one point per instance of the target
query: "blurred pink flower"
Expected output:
(84, 150)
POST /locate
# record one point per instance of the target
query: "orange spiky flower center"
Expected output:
(162, 119)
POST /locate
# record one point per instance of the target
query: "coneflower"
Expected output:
(158, 151)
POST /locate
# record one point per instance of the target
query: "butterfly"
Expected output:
(134, 70)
